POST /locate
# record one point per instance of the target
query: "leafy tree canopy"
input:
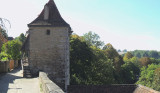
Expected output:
(89, 65)
(92, 39)
(12, 48)
(4, 33)
(150, 76)
(145, 61)
(92, 65)
(21, 38)
(127, 56)
(146, 53)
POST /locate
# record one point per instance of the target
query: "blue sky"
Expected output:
(126, 24)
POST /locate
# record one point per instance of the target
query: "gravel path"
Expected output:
(13, 82)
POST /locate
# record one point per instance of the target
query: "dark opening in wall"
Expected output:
(48, 32)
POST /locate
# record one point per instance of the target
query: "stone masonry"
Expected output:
(47, 45)
(50, 53)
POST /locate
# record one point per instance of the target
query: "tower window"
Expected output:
(48, 32)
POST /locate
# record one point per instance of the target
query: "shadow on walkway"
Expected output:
(7, 80)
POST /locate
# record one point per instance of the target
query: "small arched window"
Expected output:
(48, 32)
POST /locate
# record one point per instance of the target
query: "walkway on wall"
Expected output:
(14, 82)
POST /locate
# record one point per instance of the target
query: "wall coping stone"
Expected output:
(47, 85)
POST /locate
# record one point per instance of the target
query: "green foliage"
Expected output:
(92, 39)
(80, 59)
(112, 54)
(127, 56)
(150, 76)
(89, 65)
(4, 33)
(92, 65)
(12, 49)
(117, 61)
(118, 50)
(155, 61)
(130, 71)
(125, 50)
(135, 61)
(144, 53)
(21, 38)
(145, 61)
(102, 68)
(3, 56)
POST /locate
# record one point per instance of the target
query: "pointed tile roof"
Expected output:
(53, 18)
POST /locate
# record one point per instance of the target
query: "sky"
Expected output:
(126, 24)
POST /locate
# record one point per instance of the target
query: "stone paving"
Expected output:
(14, 82)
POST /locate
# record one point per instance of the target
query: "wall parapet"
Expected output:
(47, 85)
(114, 88)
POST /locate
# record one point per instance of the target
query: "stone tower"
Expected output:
(48, 45)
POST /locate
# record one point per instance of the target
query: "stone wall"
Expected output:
(47, 86)
(4, 67)
(101, 88)
(50, 53)
(119, 88)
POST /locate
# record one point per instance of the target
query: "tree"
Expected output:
(12, 48)
(3, 32)
(89, 64)
(127, 56)
(130, 73)
(145, 61)
(110, 52)
(21, 38)
(125, 50)
(3, 24)
(150, 76)
(3, 28)
(92, 39)
(118, 50)
(138, 55)
(146, 53)
(116, 60)
(156, 81)
(154, 54)
(81, 57)
(135, 61)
